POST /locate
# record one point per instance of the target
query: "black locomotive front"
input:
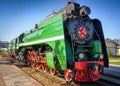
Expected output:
(86, 38)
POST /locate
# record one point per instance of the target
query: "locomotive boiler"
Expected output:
(69, 42)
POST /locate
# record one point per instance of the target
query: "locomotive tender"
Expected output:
(68, 41)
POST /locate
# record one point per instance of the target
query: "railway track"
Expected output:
(105, 80)
(112, 80)
(58, 80)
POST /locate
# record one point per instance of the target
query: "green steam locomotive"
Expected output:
(69, 42)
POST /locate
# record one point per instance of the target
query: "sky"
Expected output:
(18, 16)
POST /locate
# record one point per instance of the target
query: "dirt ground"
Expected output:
(45, 78)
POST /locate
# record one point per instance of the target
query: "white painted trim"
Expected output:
(43, 40)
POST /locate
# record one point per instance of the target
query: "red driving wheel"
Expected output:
(33, 56)
(33, 63)
(68, 75)
(38, 65)
(37, 61)
(52, 71)
(44, 68)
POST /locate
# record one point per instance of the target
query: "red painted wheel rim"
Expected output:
(38, 65)
(33, 63)
(44, 68)
(52, 71)
(33, 56)
(68, 75)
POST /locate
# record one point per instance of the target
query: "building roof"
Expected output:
(4, 44)
(110, 40)
(118, 41)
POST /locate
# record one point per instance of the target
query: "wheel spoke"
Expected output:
(44, 68)
(52, 71)
(38, 65)
(33, 56)
(33, 63)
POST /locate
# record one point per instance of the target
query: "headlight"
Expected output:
(84, 11)
(81, 55)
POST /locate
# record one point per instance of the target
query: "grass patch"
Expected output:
(2, 52)
(114, 57)
(115, 63)
(115, 60)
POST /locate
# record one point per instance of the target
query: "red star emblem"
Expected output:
(82, 32)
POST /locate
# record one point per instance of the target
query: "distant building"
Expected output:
(118, 47)
(3, 45)
(118, 50)
(117, 41)
(113, 47)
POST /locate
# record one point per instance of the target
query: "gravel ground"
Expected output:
(45, 78)
(48, 80)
